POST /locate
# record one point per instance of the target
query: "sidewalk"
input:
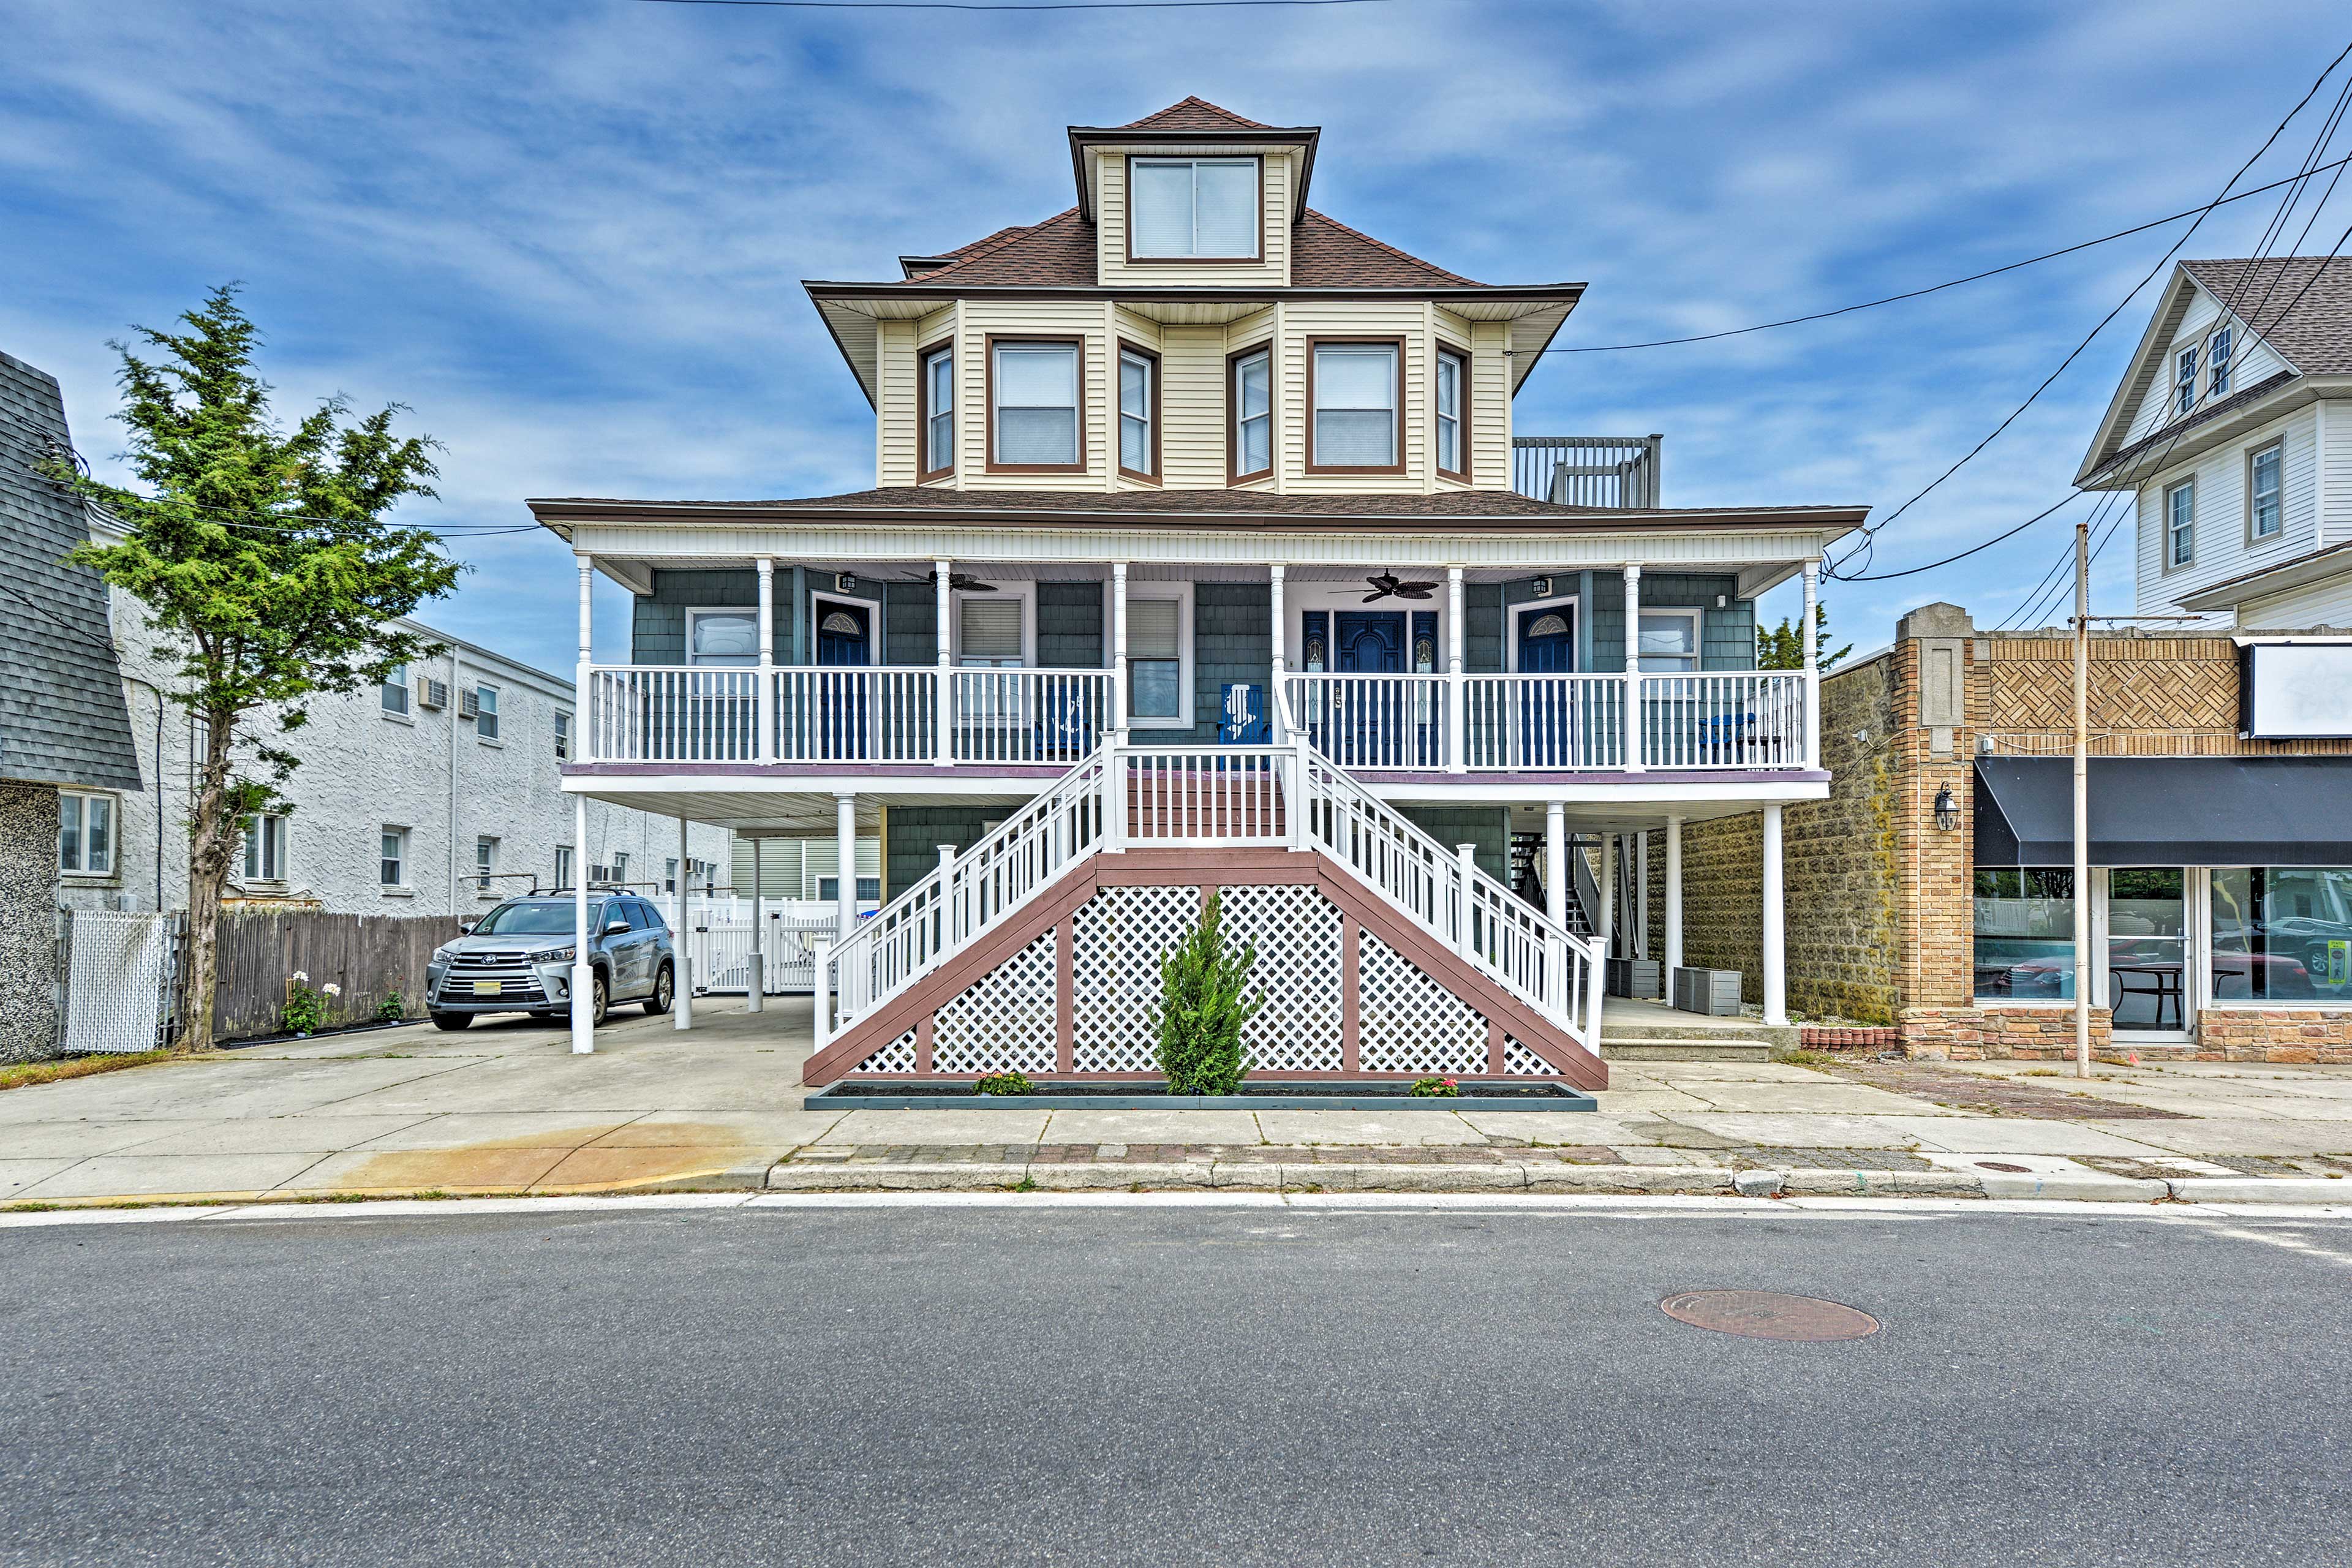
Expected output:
(504, 1108)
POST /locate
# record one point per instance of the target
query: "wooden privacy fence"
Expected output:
(369, 957)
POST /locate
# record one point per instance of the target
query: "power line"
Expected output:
(1951, 283)
(1871, 532)
(1971, 549)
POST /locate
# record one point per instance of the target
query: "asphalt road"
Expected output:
(1135, 1386)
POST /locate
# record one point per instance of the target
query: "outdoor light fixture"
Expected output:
(1540, 587)
(1948, 810)
(847, 582)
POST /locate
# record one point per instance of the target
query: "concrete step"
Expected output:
(1653, 1027)
(1713, 1046)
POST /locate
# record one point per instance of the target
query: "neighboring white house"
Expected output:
(2233, 429)
(437, 793)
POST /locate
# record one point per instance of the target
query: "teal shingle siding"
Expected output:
(1232, 639)
(658, 620)
(911, 837)
(910, 624)
(1070, 626)
(1487, 826)
(1727, 636)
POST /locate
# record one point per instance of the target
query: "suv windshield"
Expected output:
(546, 919)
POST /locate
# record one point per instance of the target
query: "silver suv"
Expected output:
(518, 959)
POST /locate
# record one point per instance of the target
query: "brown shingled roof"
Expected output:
(2300, 305)
(1060, 253)
(1194, 114)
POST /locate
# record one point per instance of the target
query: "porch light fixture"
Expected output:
(1948, 810)
(846, 583)
(1540, 587)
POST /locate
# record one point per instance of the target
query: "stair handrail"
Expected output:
(925, 926)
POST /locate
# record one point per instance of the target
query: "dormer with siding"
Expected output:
(1202, 548)
(2233, 433)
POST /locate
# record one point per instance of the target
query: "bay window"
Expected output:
(1353, 406)
(1193, 209)
(1453, 414)
(2282, 934)
(1138, 416)
(1251, 397)
(936, 418)
(1035, 408)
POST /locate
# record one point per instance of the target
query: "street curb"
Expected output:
(2261, 1190)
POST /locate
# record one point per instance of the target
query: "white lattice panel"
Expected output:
(1004, 1022)
(899, 1056)
(1521, 1062)
(1122, 933)
(1409, 1022)
(1295, 931)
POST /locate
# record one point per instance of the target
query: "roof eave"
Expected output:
(836, 289)
(2231, 592)
(1085, 136)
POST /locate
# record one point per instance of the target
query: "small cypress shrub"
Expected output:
(1202, 1010)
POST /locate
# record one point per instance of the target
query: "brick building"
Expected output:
(2220, 852)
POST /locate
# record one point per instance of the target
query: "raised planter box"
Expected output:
(1634, 977)
(1272, 1094)
(1711, 992)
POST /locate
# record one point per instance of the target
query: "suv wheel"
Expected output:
(665, 988)
(452, 1020)
(601, 1001)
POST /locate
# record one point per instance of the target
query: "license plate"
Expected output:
(488, 987)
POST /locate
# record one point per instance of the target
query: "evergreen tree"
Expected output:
(1783, 647)
(266, 570)
(1202, 1011)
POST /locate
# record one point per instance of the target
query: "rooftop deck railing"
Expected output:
(1618, 471)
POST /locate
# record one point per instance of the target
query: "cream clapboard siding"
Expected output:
(1305, 320)
(1249, 331)
(938, 327)
(981, 317)
(1193, 404)
(1490, 409)
(894, 412)
(2252, 360)
(1110, 234)
(2222, 549)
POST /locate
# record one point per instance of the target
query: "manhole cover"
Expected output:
(1768, 1315)
(2004, 1166)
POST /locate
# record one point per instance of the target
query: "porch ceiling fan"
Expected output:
(1389, 583)
(960, 582)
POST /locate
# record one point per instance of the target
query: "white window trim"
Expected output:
(113, 871)
(1513, 609)
(485, 889)
(697, 612)
(817, 602)
(2275, 444)
(2173, 562)
(1024, 590)
(278, 880)
(2225, 368)
(1181, 592)
(498, 715)
(566, 734)
(1698, 635)
(405, 887)
(2194, 356)
(406, 715)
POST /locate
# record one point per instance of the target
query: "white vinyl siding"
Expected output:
(2226, 545)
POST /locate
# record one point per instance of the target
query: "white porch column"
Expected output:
(943, 638)
(1673, 901)
(765, 751)
(1119, 653)
(1776, 980)
(756, 995)
(1636, 722)
(682, 944)
(1274, 728)
(583, 979)
(1606, 929)
(1638, 944)
(1812, 669)
(1457, 701)
(1556, 861)
(584, 716)
(844, 877)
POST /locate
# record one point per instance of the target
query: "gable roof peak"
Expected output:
(1194, 114)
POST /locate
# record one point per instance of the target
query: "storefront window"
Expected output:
(2024, 933)
(2147, 940)
(2283, 933)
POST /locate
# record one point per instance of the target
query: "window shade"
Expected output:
(1163, 209)
(1355, 406)
(991, 628)
(1153, 628)
(1036, 403)
(1226, 208)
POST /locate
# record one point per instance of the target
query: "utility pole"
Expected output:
(2081, 800)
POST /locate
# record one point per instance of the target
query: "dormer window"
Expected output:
(2184, 381)
(1193, 209)
(1034, 408)
(2217, 363)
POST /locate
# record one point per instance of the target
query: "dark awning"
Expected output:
(2168, 810)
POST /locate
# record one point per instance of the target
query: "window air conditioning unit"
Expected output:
(433, 694)
(469, 705)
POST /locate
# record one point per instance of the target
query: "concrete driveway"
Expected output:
(506, 1107)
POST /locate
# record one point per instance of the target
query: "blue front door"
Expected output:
(1548, 718)
(842, 718)
(1371, 642)
(1372, 722)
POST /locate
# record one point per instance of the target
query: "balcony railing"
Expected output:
(1620, 471)
(1719, 721)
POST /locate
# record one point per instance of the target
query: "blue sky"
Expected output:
(570, 232)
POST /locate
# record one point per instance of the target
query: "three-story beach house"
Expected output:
(1201, 554)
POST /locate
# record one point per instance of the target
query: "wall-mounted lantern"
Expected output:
(1948, 810)
(1540, 587)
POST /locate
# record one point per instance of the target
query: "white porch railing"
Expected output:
(1152, 796)
(1030, 715)
(1737, 719)
(837, 714)
(1526, 724)
(1373, 720)
(650, 713)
